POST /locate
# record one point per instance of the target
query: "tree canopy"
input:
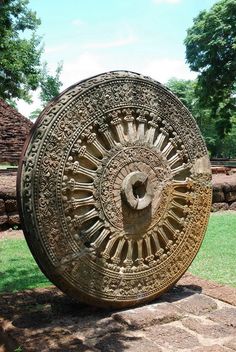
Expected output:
(211, 51)
(21, 69)
(218, 147)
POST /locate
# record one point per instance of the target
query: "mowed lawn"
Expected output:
(18, 269)
(215, 261)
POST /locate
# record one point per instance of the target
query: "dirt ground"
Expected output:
(10, 233)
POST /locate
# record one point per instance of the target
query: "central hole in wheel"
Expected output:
(139, 189)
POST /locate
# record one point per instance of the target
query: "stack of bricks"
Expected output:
(14, 129)
(9, 216)
(224, 193)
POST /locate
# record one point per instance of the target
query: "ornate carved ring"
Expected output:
(114, 190)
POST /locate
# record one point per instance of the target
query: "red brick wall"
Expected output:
(14, 129)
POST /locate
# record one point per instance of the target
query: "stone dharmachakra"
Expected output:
(114, 189)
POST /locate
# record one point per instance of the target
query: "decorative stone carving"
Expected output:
(115, 190)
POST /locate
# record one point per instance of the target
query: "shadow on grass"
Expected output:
(18, 279)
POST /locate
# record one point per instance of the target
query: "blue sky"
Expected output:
(94, 36)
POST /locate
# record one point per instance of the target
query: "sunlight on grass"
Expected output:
(18, 269)
(215, 260)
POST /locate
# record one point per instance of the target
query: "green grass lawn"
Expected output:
(18, 269)
(215, 261)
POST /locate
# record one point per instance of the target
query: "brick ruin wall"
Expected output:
(14, 129)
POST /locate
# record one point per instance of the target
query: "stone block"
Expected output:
(212, 348)
(139, 318)
(231, 344)
(217, 187)
(128, 342)
(219, 206)
(197, 304)
(232, 206)
(3, 219)
(226, 316)
(171, 337)
(2, 207)
(207, 328)
(11, 205)
(218, 196)
(13, 219)
(230, 196)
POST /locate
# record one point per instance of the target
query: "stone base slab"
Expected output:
(196, 315)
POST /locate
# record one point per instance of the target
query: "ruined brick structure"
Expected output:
(14, 129)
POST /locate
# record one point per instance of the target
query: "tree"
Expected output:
(50, 85)
(19, 57)
(211, 51)
(21, 70)
(49, 88)
(186, 92)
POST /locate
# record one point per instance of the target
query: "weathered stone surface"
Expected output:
(212, 348)
(114, 165)
(231, 344)
(52, 322)
(169, 336)
(11, 205)
(218, 196)
(139, 318)
(230, 186)
(225, 316)
(203, 328)
(13, 219)
(14, 129)
(220, 206)
(209, 288)
(197, 304)
(2, 207)
(3, 219)
(8, 186)
(127, 342)
(230, 196)
(232, 206)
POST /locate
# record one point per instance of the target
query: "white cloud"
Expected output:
(56, 48)
(84, 66)
(164, 69)
(89, 64)
(130, 39)
(25, 109)
(166, 1)
(77, 23)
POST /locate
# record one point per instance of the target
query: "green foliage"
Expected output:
(19, 57)
(21, 70)
(50, 88)
(185, 91)
(18, 349)
(216, 258)
(218, 147)
(211, 51)
(50, 85)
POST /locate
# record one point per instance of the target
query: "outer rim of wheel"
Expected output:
(51, 271)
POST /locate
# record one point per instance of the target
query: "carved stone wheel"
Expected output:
(115, 190)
